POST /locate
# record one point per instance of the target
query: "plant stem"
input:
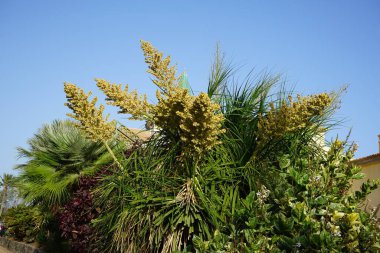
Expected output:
(113, 155)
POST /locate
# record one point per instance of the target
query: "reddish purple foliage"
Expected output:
(75, 217)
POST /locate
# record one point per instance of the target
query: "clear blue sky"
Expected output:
(317, 45)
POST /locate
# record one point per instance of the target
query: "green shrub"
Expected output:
(235, 170)
(304, 205)
(24, 223)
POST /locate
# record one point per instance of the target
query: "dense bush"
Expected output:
(238, 169)
(303, 206)
(24, 223)
(57, 156)
(75, 217)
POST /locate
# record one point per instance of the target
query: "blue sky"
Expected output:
(317, 46)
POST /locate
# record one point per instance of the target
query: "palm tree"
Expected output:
(57, 155)
(6, 181)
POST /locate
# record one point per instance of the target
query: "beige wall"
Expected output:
(372, 171)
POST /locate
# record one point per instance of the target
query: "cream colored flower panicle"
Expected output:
(166, 112)
(292, 116)
(157, 66)
(200, 124)
(90, 118)
(128, 102)
(193, 121)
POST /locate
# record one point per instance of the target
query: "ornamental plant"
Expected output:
(236, 169)
(56, 158)
(23, 223)
(176, 113)
(307, 207)
(57, 155)
(188, 126)
(76, 215)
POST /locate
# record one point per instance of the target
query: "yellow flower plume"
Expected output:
(200, 124)
(192, 120)
(292, 116)
(165, 75)
(90, 118)
(129, 103)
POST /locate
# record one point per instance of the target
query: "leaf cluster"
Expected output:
(23, 223)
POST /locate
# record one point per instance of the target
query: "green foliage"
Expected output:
(306, 208)
(58, 154)
(238, 169)
(155, 207)
(24, 223)
(30, 224)
(257, 191)
(7, 181)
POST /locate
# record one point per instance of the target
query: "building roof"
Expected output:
(367, 159)
(142, 134)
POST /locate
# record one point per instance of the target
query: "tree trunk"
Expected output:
(4, 199)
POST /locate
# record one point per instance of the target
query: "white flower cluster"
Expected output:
(315, 179)
(262, 195)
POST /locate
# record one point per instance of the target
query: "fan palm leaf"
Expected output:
(57, 155)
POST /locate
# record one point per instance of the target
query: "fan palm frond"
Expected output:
(57, 155)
